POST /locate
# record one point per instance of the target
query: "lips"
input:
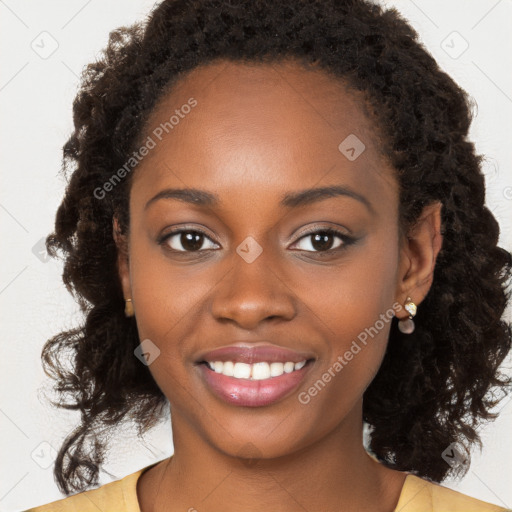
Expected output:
(252, 393)
(243, 352)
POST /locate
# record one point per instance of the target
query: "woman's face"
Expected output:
(258, 265)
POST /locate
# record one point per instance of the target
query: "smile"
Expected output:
(253, 385)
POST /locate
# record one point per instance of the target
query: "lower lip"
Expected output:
(253, 393)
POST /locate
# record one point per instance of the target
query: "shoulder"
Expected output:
(118, 495)
(421, 495)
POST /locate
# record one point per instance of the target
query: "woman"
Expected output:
(276, 224)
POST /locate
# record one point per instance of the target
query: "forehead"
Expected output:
(277, 127)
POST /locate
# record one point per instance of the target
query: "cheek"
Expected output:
(353, 307)
(351, 296)
(167, 297)
(167, 308)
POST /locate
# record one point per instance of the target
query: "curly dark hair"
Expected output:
(435, 385)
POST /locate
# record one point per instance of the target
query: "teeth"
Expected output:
(256, 371)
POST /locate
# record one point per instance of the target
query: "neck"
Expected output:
(333, 473)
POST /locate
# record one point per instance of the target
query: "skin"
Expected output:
(259, 132)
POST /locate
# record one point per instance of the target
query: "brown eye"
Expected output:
(324, 240)
(187, 241)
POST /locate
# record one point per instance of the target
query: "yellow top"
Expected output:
(418, 495)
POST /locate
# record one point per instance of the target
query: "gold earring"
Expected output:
(406, 325)
(128, 308)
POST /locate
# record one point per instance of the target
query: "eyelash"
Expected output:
(347, 240)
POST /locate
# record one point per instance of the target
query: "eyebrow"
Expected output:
(290, 200)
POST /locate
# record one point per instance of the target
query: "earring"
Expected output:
(406, 325)
(128, 308)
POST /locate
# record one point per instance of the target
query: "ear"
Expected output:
(418, 256)
(122, 258)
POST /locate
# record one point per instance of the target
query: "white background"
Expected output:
(36, 95)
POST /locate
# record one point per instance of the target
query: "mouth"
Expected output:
(261, 370)
(253, 385)
(249, 353)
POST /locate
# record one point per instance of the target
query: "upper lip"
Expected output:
(249, 353)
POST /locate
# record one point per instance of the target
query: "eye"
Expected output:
(191, 240)
(194, 240)
(323, 240)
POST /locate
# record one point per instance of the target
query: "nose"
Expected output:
(253, 292)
